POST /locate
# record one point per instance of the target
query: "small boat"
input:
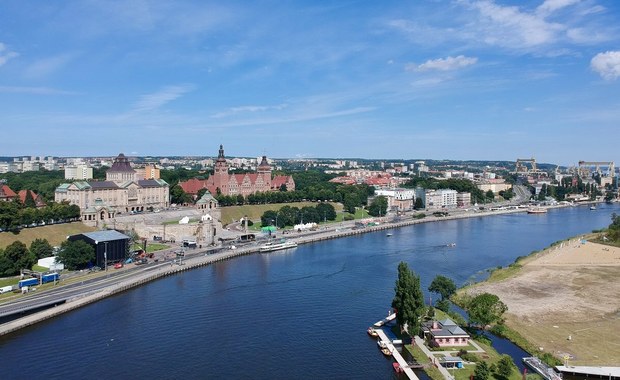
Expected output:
(372, 332)
(593, 208)
(451, 245)
(386, 351)
(283, 244)
(388, 234)
(397, 368)
(536, 210)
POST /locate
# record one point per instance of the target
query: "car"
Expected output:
(118, 265)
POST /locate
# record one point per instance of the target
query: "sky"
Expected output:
(418, 79)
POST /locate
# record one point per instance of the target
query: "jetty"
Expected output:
(385, 320)
(541, 368)
(385, 341)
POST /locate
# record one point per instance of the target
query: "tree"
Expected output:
(378, 206)
(443, 305)
(481, 372)
(29, 200)
(505, 366)
(489, 195)
(17, 253)
(485, 309)
(442, 285)
(76, 254)
(408, 300)
(419, 205)
(41, 248)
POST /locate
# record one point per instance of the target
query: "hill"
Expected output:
(55, 234)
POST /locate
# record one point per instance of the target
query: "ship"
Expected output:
(536, 210)
(272, 246)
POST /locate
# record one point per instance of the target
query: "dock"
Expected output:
(541, 368)
(395, 354)
(385, 320)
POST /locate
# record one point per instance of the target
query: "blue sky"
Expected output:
(454, 79)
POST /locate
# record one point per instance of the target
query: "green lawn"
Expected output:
(150, 247)
(55, 234)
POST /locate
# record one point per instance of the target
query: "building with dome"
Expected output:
(123, 191)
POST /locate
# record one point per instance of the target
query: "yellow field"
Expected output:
(55, 234)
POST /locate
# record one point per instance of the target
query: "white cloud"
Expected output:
(35, 90)
(6, 54)
(245, 109)
(165, 95)
(444, 64)
(47, 66)
(607, 64)
(550, 6)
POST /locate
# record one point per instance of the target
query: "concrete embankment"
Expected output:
(202, 258)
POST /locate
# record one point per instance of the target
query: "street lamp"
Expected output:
(105, 255)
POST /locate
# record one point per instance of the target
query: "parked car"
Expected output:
(118, 265)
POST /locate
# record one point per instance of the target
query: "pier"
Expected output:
(395, 354)
(541, 368)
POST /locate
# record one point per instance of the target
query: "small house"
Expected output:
(444, 333)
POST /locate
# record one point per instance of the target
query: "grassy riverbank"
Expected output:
(561, 301)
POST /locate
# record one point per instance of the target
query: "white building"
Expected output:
(80, 172)
(399, 199)
(437, 199)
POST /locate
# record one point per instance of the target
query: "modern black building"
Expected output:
(109, 244)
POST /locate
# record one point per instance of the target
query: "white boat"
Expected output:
(592, 207)
(388, 234)
(272, 246)
(537, 210)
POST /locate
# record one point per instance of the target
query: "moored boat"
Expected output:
(270, 247)
(386, 351)
(372, 332)
(397, 367)
(536, 210)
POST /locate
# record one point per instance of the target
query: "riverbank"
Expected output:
(563, 300)
(201, 258)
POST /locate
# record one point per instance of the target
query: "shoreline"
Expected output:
(572, 281)
(201, 258)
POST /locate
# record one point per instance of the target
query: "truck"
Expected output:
(6, 289)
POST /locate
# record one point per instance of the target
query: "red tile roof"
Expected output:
(6, 192)
(193, 186)
(37, 199)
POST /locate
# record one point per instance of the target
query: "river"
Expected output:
(299, 314)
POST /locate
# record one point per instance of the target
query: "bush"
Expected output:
(349, 217)
(419, 216)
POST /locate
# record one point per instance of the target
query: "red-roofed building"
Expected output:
(6, 194)
(38, 201)
(193, 186)
(245, 184)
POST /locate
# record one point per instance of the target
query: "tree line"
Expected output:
(17, 256)
(14, 215)
(290, 216)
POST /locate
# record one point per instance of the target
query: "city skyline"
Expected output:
(461, 80)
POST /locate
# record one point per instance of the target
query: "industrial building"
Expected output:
(110, 245)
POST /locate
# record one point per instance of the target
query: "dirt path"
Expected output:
(566, 300)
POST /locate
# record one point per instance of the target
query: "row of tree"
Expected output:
(290, 216)
(17, 256)
(14, 215)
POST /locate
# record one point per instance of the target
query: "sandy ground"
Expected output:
(566, 300)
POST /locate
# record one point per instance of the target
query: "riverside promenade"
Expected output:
(202, 258)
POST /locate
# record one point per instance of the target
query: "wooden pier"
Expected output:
(395, 354)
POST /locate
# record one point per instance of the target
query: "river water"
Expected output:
(297, 314)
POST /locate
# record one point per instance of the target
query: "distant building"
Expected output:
(38, 200)
(221, 182)
(6, 194)
(437, 199)
(148, 172)
(463, 199)
(79, 172)
(398, 199)
(123, 191)
(444, 333)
